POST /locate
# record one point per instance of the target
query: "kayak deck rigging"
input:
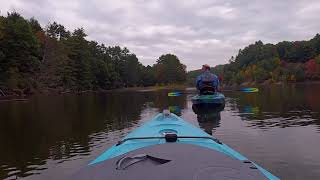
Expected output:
(166, 138)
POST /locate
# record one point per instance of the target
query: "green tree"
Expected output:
(261, 74)
(31, 56)
(101, 67)
(55, 68)
(147, 76)
(80, 57)
(131, 74)
(57, 31)
(117, 56)
(35, 26)
(169, 69)
(19, 51)
(315, 43)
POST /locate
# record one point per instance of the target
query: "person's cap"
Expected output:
(206, 66)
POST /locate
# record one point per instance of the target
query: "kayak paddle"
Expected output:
(246, 90)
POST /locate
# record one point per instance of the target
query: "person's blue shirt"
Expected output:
(207, 78)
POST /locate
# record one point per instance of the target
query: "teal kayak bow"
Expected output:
(167, 147)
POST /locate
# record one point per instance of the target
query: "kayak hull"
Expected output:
(161, 125)
(215, 99)
(172, 161)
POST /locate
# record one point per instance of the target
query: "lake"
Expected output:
(50, 137)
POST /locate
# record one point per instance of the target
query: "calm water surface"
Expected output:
(52, 137)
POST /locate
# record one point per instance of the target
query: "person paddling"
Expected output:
(207, 83)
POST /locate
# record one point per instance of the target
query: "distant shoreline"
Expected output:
(18, 95)
(251, 84)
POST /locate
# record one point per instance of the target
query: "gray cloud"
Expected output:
(197, 31)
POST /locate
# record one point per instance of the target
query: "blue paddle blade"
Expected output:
(177, 93)
(249, 89)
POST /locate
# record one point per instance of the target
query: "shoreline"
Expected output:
(252, 84)
(19, 95)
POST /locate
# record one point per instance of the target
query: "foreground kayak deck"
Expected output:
(216, 98)
(148, 139)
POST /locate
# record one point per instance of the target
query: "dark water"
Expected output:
(52, 137)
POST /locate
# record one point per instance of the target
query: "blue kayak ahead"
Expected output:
(216, 98)
(169, 148)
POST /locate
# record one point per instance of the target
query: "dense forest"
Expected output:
(35, 59)
(51, 58)
(271, 63)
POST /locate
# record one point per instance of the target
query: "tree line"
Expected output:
(35, 58)
(271, 63)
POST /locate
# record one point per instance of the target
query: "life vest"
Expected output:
(207, 83)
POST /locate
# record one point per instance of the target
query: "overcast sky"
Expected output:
(197, 31)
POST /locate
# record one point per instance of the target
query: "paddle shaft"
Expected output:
(229, 90)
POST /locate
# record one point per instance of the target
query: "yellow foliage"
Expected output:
(292, 78)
